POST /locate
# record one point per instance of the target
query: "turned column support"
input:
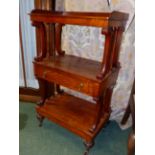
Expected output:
(102, 105)
(107, 99)
(43, 89)
(58, 50)
(58, 31)
(113, 37)
(42, 50)
(99, 104)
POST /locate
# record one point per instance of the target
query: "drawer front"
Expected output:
(67, 80)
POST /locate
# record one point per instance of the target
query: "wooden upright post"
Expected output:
(50, 31)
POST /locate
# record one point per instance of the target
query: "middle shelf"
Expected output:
(70, 71)
(70, 64)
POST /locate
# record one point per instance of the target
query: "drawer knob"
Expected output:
(80, 86)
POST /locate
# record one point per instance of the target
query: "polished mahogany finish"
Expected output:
(93, 78)
(80, 18)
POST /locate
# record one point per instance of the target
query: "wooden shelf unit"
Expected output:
(93, 78)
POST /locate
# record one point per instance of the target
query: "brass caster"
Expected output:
(86, 153)
(88, 146)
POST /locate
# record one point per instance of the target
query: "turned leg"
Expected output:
(42, 89)
(46, 90)
(88, 146)
(40, 119)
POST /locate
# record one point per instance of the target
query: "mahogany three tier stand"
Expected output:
(96, 79)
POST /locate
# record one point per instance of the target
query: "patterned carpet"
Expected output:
(52, 139)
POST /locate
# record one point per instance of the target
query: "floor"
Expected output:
(51, 139)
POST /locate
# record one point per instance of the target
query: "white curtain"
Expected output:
(21, 78)
(29, 43)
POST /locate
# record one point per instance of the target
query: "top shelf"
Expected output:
(96, 19)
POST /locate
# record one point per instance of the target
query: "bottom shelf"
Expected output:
(74, 114)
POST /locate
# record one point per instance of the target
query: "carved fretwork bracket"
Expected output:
(43, 45)
(58, 30)
(106, 31)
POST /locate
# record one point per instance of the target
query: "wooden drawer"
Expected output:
(71, 81)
